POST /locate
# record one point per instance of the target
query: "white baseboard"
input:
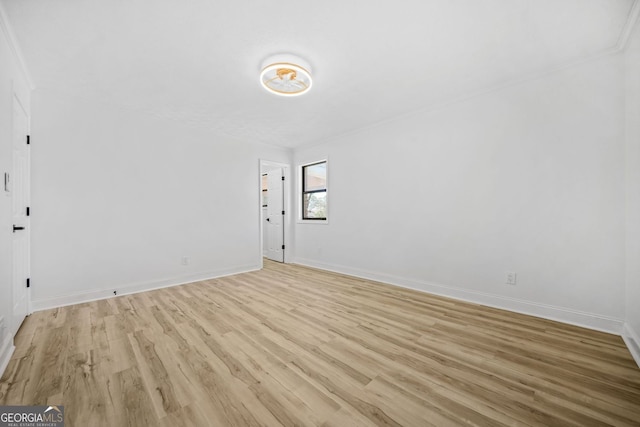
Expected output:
(81, 297)
(632, 339)
(560, 314)
(6, 351)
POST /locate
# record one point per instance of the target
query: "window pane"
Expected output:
(315, 177)
(315, 206)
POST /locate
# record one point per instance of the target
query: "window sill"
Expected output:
(313, 221)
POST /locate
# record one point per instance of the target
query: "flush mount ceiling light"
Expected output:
(286, 75)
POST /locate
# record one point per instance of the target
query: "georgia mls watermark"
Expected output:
(31, 416)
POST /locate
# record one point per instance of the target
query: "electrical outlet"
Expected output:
(185, 260)
(510, 277)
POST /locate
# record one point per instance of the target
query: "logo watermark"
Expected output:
(31, 416)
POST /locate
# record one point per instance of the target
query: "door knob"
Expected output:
(268, 220)
(17, 228)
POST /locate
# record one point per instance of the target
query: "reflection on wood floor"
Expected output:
(290, 345)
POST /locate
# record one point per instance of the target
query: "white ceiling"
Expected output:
(198, 61)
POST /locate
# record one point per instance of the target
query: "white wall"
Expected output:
(12, 83)
(528, 178)
(120, 197)
(632, 321)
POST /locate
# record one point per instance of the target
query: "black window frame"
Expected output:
(305, 192)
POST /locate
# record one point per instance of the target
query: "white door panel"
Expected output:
(20, 202)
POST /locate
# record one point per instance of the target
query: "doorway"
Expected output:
(274, 212)
(20, 195)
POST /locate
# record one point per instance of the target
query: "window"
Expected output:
(314, 191)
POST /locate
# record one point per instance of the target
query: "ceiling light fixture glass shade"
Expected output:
(286, 75)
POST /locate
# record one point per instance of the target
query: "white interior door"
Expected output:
(20, 202)
(275, 215)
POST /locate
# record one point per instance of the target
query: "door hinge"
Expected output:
(28, 283)
(282, 212)
(282, 246)
(283, 178)
(28, 139)
(28, 211)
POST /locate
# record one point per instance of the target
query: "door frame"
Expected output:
(288, 208)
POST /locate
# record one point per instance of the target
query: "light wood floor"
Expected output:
(295, 346)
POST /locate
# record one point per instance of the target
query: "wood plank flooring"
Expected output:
(290, 345)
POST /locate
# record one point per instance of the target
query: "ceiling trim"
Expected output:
(632, 18)
(15, 49)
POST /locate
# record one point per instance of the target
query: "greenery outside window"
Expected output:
(314, 191)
